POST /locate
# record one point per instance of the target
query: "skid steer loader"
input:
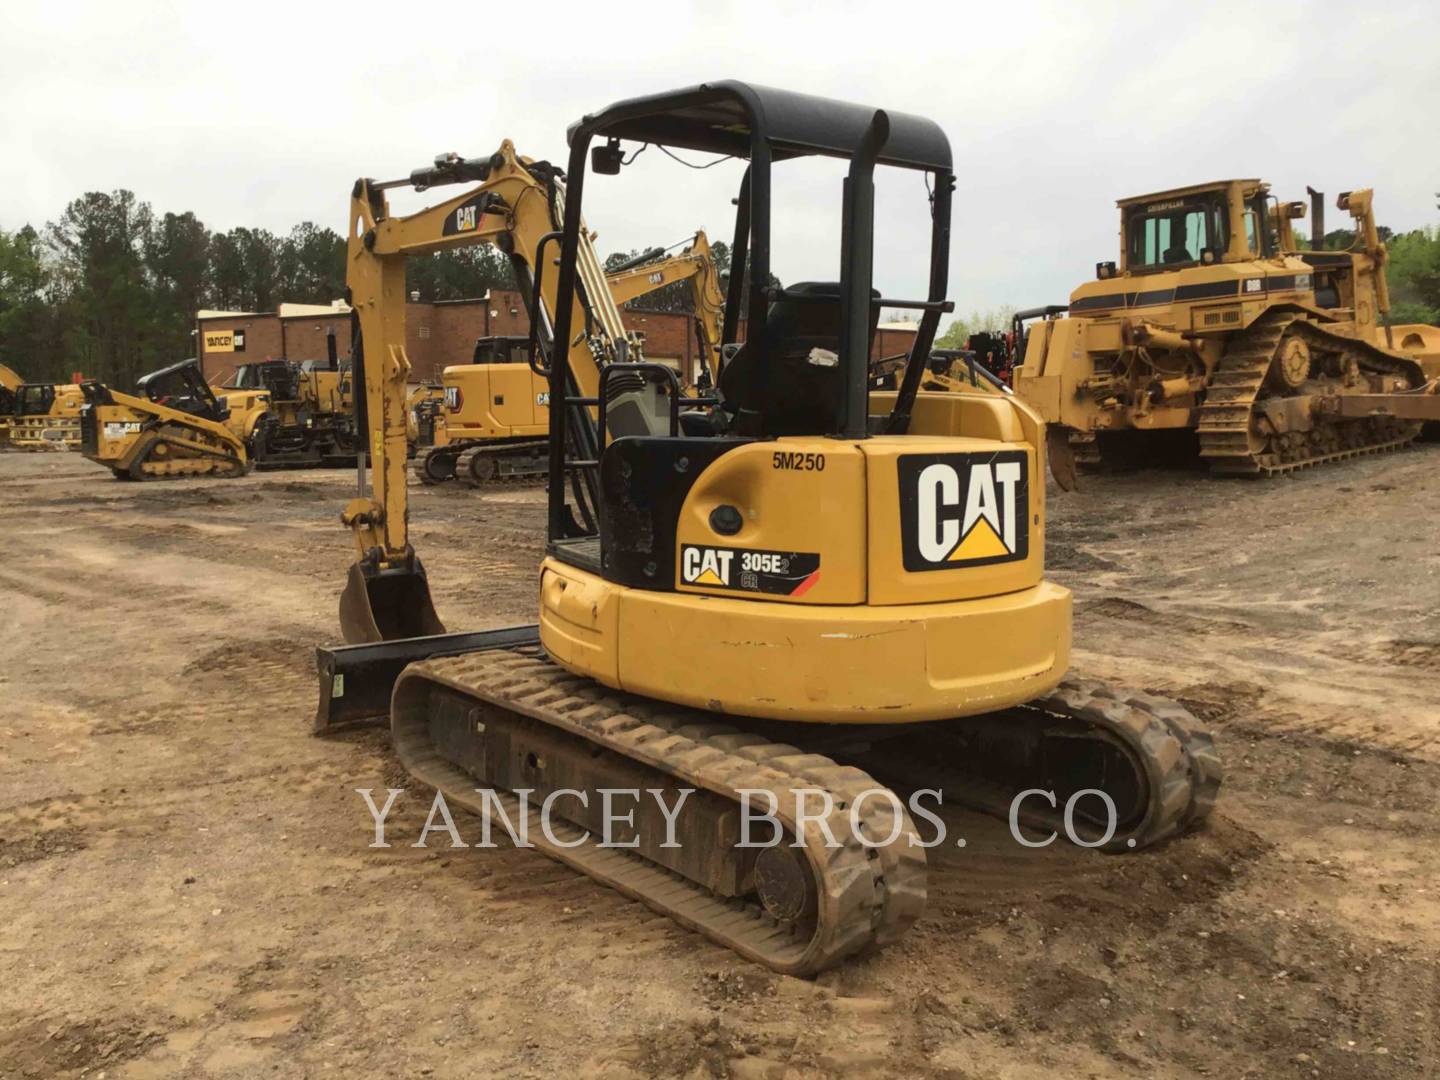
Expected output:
(766, 593)
(176, 429)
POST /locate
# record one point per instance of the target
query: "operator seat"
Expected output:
(796, 394)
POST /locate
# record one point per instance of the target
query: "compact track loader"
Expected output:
(778, 590)
(176, 429)
(1214, 323)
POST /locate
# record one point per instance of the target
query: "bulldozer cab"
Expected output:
(802, 366)
(1225, 221)
(181, 386)
(34, 399)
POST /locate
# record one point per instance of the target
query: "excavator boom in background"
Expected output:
(793, 588)
(495, 415)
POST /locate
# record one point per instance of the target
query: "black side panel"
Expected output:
(89, 430)
(644, 482)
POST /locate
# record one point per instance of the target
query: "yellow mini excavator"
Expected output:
(176, 429)
(760, 598)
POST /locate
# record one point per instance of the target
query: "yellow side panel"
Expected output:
(952, 518)
(496, 401)
(802, 537)
(843, 665)
(578, 621)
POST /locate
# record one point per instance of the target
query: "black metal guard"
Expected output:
(611, 370)
(532, 345)
(857, 258)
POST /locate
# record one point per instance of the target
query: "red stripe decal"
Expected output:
(804, 586)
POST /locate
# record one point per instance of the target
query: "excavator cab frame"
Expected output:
(793, 373)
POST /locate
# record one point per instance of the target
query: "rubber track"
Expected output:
(1173, 753)
(867, 896)
(1228, 413)
(419, 465)
(463, 465)
(212, 463)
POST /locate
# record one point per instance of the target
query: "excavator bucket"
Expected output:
(387, 604)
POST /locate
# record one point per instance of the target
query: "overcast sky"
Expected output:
(263, 114)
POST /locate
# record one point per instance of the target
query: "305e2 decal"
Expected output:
(964, 509)
(779, 573)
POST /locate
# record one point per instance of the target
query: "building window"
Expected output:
(239, 340)
(425, 332)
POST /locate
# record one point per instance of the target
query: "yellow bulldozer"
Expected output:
(1215, 324)
(45, 416)
(9, 383)
(172, 427)
(758, 597)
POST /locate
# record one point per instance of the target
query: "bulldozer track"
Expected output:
(1227, 429)
(868, 888)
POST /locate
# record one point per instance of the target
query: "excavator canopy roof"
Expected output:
(1194, 189)
(720, 117)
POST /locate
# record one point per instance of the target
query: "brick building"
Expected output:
(436, 334)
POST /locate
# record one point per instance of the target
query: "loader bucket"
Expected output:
(386, 605)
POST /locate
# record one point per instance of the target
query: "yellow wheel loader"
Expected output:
(1216, 326)
(46, 416)
(756, 599)
(176, 429)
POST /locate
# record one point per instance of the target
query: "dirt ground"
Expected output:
(186, 887)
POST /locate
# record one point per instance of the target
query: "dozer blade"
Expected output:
(356, 680)
(1062, 457)
(387, 604)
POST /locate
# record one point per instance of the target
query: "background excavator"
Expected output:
(173, 426)
(1215, 323)
(495, 414)
(785, 588)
